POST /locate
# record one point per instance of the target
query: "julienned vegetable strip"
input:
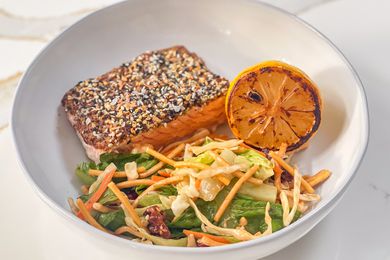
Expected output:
(233, 192)
(223, 179)
(126, 203)
(133, 183)
(164, 173)
(200, 134)
(318, 178)
(237, 174)
(282, 150)
(118, 174)
(160, 156)
(194, 179)
(101, 208)
(198, 142)
(250, 148)
(157, 178)
(290, 170)
(157, 185)
(278, 177)
(197, 165)
(199, 235)
(210, 242)
(99, 192)
(72, 206)
(159, 165)
(87, 216)
(251, 179)
(277, 170)
(216, 145)
(128, 229)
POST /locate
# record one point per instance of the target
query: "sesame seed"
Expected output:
(152, 90)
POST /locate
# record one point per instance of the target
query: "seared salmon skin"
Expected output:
(157, 98)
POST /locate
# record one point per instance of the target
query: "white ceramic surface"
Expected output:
(342, 135)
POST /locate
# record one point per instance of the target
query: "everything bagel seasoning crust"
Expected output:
(148, 94)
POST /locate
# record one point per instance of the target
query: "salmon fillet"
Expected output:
(157, 98)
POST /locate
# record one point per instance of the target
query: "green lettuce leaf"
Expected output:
(149, 200)
(204, 158)
(167, 191)
(120, 159)
(82, 173)
(241, 206)
(112, 220)
(140, 188)
(146, 160)
(107, 197)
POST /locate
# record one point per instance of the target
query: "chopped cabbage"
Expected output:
(204, 158)
(263, 192)
(216, 145)
(228, 156)
(131, 170)
(209, 189)
(179, 205)
(266, 166)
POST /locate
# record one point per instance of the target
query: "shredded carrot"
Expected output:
(233, 192)
(159, 165)
(223, 179)
(197, 165)
(157, 178)
(164, 174)
(88, 217)
(198, 135)
(199, 235)
(157, 185)
(99, 192)
(126, 203)
(133, 183)
(197, 184)
(290, 170)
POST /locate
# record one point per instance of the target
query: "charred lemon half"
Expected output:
(273, 103)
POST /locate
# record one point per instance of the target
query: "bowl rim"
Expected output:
(169, 249)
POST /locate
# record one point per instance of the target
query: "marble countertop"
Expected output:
(359, 228)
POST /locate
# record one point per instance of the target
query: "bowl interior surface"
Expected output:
(228, 35)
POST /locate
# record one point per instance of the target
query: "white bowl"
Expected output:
(229, 35)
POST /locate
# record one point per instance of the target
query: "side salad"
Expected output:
(200, 192)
